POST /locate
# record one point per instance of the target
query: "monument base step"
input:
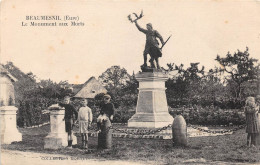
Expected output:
(150, 120)
(148, 124)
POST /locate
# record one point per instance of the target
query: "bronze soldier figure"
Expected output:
(152, 45)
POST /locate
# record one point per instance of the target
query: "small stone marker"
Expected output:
(57, 138)
(179, 131)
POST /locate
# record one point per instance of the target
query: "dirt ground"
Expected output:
(9, 157)
(220, 150)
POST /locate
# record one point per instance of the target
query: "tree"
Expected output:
(129, 92)
(114, 77)
(211, 89)
(131, 86)
(240, 68)
(31, 97)
(184, 87)
(25, 84)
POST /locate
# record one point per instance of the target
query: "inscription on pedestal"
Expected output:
(145, 102)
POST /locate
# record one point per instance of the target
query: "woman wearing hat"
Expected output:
(107, 107)
(252, 123)
(104, 123)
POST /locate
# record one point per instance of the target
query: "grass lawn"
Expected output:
(228, 148)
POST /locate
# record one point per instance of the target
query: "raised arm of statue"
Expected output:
(139, 28)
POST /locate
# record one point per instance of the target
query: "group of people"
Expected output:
(84, 117)
(252, 120)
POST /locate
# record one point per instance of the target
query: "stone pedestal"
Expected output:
(151, 109)
(57, 138)
(9, 131)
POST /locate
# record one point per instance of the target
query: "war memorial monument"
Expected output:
(152, 108)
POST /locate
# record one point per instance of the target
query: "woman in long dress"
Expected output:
(252, 123)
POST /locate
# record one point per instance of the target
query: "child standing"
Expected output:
(84, 119)
(252, 125)
(70, 111)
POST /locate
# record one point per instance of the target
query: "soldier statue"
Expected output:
(151, 45)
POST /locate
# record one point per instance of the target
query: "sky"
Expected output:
(200, 30)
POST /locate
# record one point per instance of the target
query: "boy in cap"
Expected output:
(70, 111)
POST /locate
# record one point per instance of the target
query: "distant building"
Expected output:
(90, 89)
(6, 87)
(76, 88)
(4, 72)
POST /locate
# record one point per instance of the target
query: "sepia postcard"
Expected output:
(177, 75)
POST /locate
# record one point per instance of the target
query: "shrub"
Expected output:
(30, 111)
(209, 115)
(123, 114)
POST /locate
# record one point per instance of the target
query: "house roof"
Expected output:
(76, 88)
(90, 89)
